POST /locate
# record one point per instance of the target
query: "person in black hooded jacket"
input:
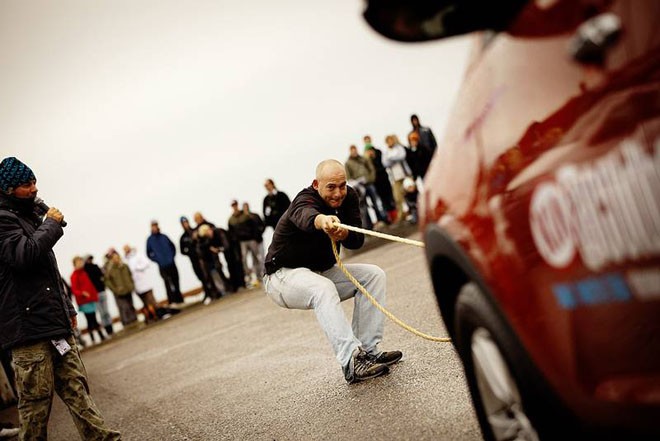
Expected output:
(36, 316)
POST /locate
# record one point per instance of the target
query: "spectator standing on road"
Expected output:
(86, 297)
(188, 247)
(45, 356)
(357, 184)
(144, 288)
(234, 262)
(212, 242)
(95, 274)
(77, 335)
(240, 231)
(161, 250)
(418, 158)
(200, 221)
(411, 195)
(302, 274)
(254, 247)
(394, 158)
(231, 255)
(361, 170)
(426, 144)
(382, 183)
(118, 278)
(275, 204)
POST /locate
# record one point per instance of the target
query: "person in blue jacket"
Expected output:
(161, 250)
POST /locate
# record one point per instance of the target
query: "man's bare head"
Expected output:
(330, 182)
(327, 167)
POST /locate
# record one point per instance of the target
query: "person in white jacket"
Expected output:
(139, 266)
(394, 159)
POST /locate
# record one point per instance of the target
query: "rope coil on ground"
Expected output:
(366, 293)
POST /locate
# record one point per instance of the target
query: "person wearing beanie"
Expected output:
(36, 316)
(14, 174)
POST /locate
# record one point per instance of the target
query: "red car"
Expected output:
(541, 211)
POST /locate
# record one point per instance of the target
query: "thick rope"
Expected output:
(371, 298)
(415, 243)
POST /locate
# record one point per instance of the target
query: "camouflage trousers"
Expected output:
(40, 370)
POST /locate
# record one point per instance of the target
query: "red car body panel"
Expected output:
(548, 178)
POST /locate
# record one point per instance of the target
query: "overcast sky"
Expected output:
(135, 110)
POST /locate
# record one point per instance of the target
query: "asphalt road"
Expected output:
(244, 369)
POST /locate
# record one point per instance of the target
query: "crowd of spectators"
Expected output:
(387, 180)
(224, 260)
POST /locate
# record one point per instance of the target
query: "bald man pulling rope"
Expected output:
(301, 272)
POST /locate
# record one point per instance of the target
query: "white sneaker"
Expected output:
(207, 301)
(8, 432)
(379, 226)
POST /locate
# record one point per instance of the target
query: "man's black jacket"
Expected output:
(297, 243)
(33, 306)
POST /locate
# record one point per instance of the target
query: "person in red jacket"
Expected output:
(86, 296)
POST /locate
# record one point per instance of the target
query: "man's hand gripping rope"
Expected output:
(333, 230)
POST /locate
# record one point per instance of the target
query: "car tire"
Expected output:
(509, 395)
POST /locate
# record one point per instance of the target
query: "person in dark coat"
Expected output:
(36, 316)
(210, 243)
(383, 184)
(249, 228)
(188, 247)
(233, 255)
(424, 145)
(275, 204)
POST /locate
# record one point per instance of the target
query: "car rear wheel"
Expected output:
(498, 392)
(508, 394)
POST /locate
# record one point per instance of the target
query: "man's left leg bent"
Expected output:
(71, 386)
(368, 321)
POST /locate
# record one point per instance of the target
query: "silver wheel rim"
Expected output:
(498, 391)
